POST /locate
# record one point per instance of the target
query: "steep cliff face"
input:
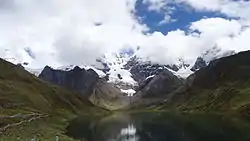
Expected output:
(141, 70)
(88, 83)
(161, 85)
(156, 89)
(199, 63)
(77, 79)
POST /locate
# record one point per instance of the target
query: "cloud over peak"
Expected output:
(65, 32)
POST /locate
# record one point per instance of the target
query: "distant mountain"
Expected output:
(126, 72)
(109, 96)
(199, 63)
(129, 73)
(210, 55)
(161, 85)
(140, 70)
(89, 84)
(155, 89)
(77, 79)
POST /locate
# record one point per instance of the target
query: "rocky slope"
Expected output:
(77, 79)
(88, 83)
(156, 89)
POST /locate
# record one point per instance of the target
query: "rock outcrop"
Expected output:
(161, 85)
(78, 79)
(199, 63)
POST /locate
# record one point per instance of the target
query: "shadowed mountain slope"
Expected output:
(222, 86)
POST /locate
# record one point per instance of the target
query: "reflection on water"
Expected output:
(159, 127)
(127, 134)
(131, 130)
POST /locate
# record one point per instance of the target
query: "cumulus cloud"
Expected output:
(213, 29)
(169, 48)
(66, 31)
(63, 32)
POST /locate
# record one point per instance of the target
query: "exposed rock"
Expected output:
(144, 83)
(97, 90)
(141, 71)
(199, 63)
(78, 79)
(161, 85)
(20, 66)
(119, 76)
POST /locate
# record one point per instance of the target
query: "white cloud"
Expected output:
(203, 35)
(63, 32)
(167, 19)
(213, 29)
(232, 8)
(162, 6)
(212, 5)
(156, 5)
(240, 42)
(169, 48)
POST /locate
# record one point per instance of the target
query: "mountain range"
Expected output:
(220, 85)
(129, 73)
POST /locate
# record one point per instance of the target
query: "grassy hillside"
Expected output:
(223, 86)
(30, 107)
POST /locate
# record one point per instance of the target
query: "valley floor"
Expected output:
(37, 127)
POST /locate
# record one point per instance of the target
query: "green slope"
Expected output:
(222, 87)
(30, 107)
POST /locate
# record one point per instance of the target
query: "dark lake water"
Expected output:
(159, 127)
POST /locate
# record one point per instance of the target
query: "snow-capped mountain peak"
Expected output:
(127, 71)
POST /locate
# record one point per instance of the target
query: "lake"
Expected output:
(159, 127)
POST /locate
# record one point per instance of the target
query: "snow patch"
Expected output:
(151, 76)
(99, 72)
(86, 67)
(117, 73)
(130, 92)
(66, 68)
(184, 73)
(36, 72)
(12, 60)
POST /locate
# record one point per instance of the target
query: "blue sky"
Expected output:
(182, 14)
